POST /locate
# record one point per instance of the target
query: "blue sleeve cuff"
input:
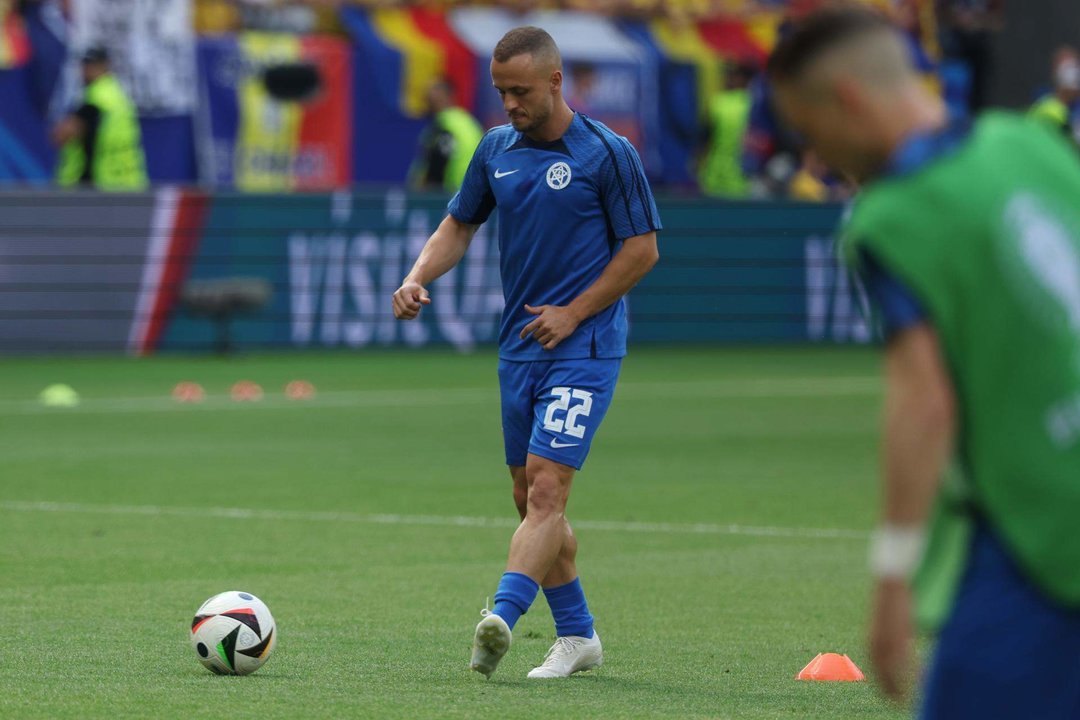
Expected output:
(898, 306)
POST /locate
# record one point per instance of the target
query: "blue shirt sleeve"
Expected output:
(627, 197)
(898, 306)
(474, 201)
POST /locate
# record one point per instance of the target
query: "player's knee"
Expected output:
(547, 495)
(544, 502)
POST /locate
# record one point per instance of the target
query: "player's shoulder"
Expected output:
(1000, 132)
(596, 127)
(877, 204)
(1006, 122)
(497, 140)
(595, 132)
(930, 168)
(602, 145)
(969, 165)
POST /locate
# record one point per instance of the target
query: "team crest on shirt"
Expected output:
(558, 176)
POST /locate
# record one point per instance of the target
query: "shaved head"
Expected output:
(529, 40)
(844, 80)
(853, 42)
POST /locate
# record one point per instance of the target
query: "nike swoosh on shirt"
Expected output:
(499, 174)
(556, 444)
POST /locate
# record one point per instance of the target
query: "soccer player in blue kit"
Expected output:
(577, 230)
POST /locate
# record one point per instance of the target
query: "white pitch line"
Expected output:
(853, 386)
(444, 521)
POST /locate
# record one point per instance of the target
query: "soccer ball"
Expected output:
(233, 633)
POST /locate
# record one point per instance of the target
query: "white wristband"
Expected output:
(895, 551)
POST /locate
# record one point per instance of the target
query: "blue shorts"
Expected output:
(1006, 650)
(553, 408)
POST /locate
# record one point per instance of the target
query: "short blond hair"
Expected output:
(527, 40)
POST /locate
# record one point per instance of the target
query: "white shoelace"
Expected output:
(563, 646)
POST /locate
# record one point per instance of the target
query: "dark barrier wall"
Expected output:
(71, 267)
(761, 273)
(746, 272)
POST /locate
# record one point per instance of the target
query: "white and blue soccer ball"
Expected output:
(233, 633)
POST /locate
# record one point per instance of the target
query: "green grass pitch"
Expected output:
(722, 517)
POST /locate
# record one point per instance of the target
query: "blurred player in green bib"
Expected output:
(968, 240)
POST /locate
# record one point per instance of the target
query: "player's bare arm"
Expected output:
(443, 250)
(555, 323)
(919, 427)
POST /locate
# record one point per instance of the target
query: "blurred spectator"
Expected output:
(728, 111)
(582, 87)
(770, 155)
(815, 183)
(217, 16)
(746, 151)
(100, 144)
(966, 27)
(908, 18)
(447, 143)
(1059, 107)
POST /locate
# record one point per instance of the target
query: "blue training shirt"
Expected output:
(564, 209)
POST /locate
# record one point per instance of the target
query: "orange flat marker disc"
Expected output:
(831, 667)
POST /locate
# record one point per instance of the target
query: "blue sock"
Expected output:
(571, 612)
(515, 594)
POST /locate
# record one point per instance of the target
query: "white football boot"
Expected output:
(490, 643)
(569, 655)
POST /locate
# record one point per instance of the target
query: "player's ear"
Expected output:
(556, 81)
(849, 94)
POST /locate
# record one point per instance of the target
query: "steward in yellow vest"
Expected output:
(1056, 109)
(100, 143)
(446, 144)
(720, 172)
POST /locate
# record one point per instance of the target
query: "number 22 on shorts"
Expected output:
(568, 425)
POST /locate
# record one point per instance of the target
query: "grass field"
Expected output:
(722, 518)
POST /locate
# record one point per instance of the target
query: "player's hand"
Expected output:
(892, 637)
(408, 299)
(553, 324)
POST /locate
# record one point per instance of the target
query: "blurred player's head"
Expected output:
(526, 69)
(845, 82)
(94, 63)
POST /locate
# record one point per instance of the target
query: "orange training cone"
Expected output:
(831, 667)
(300, 390)
(246, 391)
(188, 392)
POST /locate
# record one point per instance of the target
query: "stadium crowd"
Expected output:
(740, 149)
